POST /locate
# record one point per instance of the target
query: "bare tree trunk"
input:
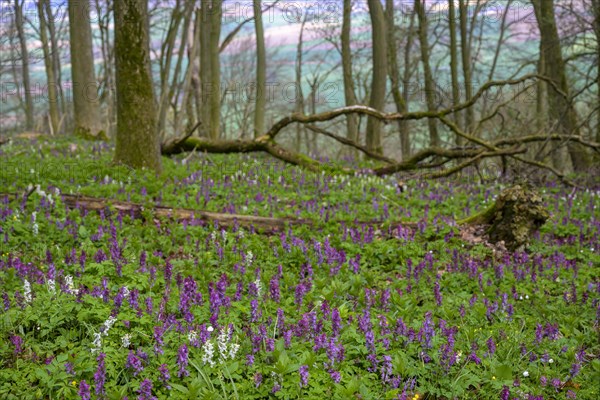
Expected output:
(205, 64)
(454, 65)
(349, 95)
(299, 93)
(108, 96)
(85, 86)
(465, 46)
(167, 50)
(379, 79)
(395, 73)
(261, 72)
(434, 138)
(406, 74)
(29, 110)
(596, 9)
(559, 104)
(215, 70)
(137, 139)
(55, 55)
(189, 87)
(51, 80)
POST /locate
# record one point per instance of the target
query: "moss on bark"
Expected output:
(513, 218)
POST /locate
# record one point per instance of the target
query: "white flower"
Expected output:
(550, 361)
(258, 287)
(526, 374)
(27, 291)
(209, 352)
(520, 297)
(233, 349)
(126, 339)
(97, 342)
(125, 291)
(108, 324)
(526, 297)
(34, 215)
(249, 257)
(70, 285)
(210, 329)
(36, 229)
(192, 336)
(222, 343)
(51, 285)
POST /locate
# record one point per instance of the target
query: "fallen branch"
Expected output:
(136, 210)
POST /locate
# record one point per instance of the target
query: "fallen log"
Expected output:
(137, 210)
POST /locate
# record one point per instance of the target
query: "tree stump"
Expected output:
(513, 218)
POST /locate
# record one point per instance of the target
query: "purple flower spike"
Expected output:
(303, 375)
(182, 361)
(84, 390)
(146, 390)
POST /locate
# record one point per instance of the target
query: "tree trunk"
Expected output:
(465, 46)
(299, 93)
(434, 139)
(205, 64)
(55, 55)
(215, 70)
(395, 73)
(349, 95)
(406, 75)
(454, 66)
(261, 72)
(85, 86)
(137, 140)
(554, 67)
(166, 58)
(596, 9)
(379, 79)
(50, 78)
(513, 218)
(29, 111)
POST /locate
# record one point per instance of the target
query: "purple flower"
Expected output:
(303, 375)
(100, 375)
(255, 313)
(134, 363)
(575, 369)
(274, 290)
(182, 361)
(69, 368)
(258, 378)
(491, 346)
(473, 357)
(17, 341)
(336, 321)
(505, 393)
(556, 383)
(6, 301)
(437, 293)
(159, 331)
(84, 390)
(335, 375)
(164, 375)
(427, 331)
(543, 381)
(146, 390)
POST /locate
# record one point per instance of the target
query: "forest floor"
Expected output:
(380, 295)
